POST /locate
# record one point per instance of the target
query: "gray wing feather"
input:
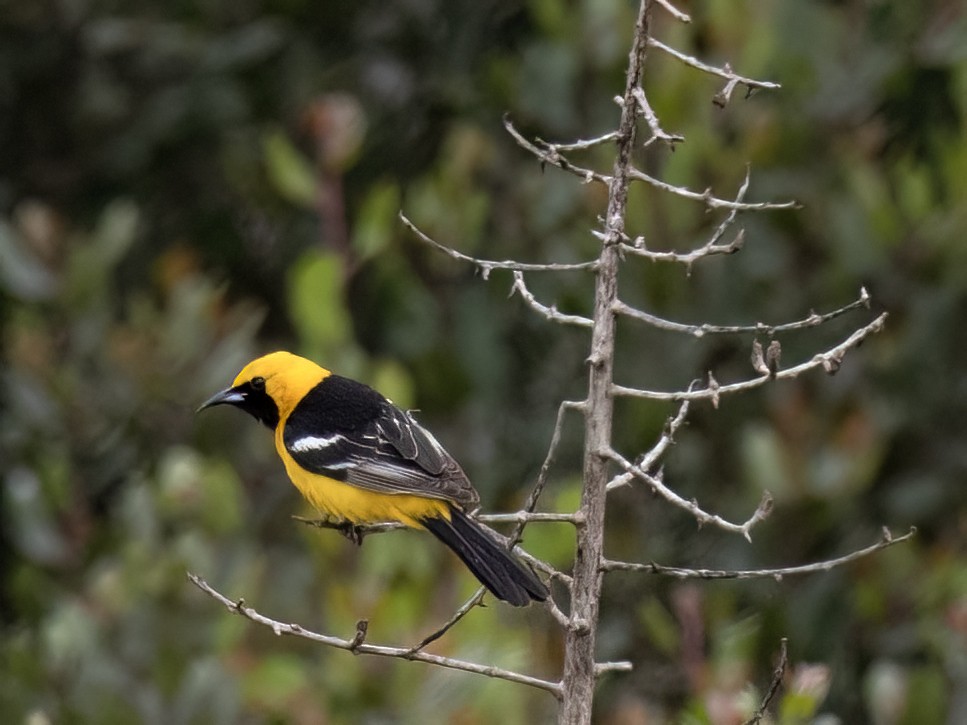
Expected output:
(392, 454)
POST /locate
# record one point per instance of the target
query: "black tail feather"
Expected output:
(495, 567)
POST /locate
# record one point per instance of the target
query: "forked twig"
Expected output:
(486, 266)
(551, 313)
(358, 646)
(655, 482)
(725, 72)
(830, 361)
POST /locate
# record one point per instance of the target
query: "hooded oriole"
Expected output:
(357, 457)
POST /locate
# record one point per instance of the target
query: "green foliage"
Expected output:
(315, 304)
(290, 174)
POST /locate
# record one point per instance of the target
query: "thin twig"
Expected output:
(638, 249)
(648, 461)
(475, 599)
(708, 198)
(603, 668)
(551, 313)
(674, 12)
(655, 482)
(531, 503)
(353, 645)
(830, 361)
(560, 617)
(777, 676)
(651, 118)
(486, 266)
(725, 72)
(520, 518)
(580, 144)
(760, 328)
(551, 154)
(539, 564)
(886, 540)
(711, 247)
(524, 516)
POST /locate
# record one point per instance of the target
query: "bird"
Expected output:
(358, 458)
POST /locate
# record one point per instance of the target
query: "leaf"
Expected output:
(289, 172)
(316, 303)
(376, 220)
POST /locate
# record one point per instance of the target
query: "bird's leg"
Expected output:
(347, 528)
(351, 531)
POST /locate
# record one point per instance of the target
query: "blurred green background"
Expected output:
(186, 185)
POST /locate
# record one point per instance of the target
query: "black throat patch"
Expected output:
(259, 405)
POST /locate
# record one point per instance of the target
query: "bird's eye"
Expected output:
(258, 383)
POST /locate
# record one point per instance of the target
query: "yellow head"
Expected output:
(269, 387)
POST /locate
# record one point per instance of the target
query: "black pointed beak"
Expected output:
(229, 396)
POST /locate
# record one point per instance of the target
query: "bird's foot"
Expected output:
(351, 531)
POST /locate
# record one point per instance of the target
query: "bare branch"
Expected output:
(777, 676)
(560, 617)
(887, 540)
(519, 517)
(708, 249)
(655, 482)
(539, 564)
(812, 320)
(551, 313)
(674, 12)
(710, 200)
(830, 361)
(648, 461)
(657, 132)
(535, 494)
(474, 601)
(579, 145)
(603, 668)
(357, 646)
(486, 266)
(550, 154)
(724, 72)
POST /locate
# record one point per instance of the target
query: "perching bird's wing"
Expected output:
(347, 431)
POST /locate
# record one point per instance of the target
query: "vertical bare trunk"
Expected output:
(579, 659)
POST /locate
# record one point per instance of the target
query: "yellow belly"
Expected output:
(345, 501)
